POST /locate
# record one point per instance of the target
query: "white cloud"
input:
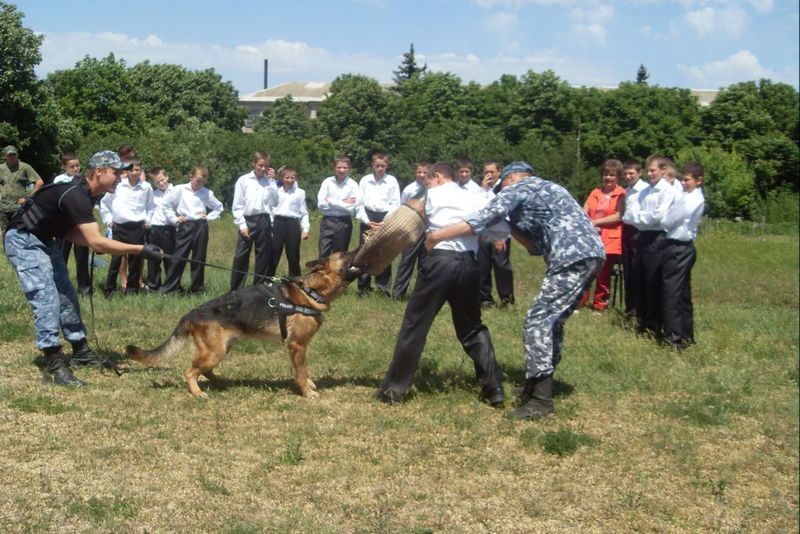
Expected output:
(501, 23)
(590, 22)
(731, 21)
(762, 6)
(741, 66)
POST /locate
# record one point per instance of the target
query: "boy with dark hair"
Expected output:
(254, 195)
(338, 199)
(449, 274)
(72, 168)
(415, 253)
(190, 203)
(380, 195)
(494, 254)
(127, 211)
(290, 223)
(680, 224)
(632, 171)
(162, 226)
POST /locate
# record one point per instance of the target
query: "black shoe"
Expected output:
(487, 304)
(388, 397)
(87, 360)
(57, 372)
(86, 291)
(496, 397)
(505, 303)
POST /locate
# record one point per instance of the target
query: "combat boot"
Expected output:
(56, 370)
(82, 356)
(536, 399)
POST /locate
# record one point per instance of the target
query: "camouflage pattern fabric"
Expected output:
(543, 329)
(43, 276)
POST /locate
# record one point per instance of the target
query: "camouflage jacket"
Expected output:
(547, 215)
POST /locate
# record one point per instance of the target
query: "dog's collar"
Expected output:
(316, 297)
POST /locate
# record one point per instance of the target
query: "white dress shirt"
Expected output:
(128, 204)
(646, 212)
(332, 194)
(378, 195)
(63, 178)
(449, 203)
(683, 217)
(252, 196)
(194, 204)
(410, 191)
(163, 214)
(292, 203)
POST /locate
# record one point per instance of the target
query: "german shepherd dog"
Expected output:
(255, 312)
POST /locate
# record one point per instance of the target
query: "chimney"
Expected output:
(266, 73)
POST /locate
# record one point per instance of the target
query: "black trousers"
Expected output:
(81, 262)
(384, 280)
(260, 229)
(162, 236)
(677, 311)
(411, 256)
(334, 235)
(488, 257)
(630, 268)
(132, 233)
(444, 277)
(651, 256)
(286, 232)
(191, 237)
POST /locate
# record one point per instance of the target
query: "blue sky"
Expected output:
(700, 44)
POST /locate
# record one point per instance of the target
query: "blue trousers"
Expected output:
(43, 276)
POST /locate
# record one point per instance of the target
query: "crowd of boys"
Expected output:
(649, 228)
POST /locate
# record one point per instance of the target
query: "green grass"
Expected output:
(644, 438)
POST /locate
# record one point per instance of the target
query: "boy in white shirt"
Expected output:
(290, 222)
(416, 252)
(190, 203)
(162, 226)
(72, 168)
(380, 195)
(681, 224)
(127, 213)
(337, 200)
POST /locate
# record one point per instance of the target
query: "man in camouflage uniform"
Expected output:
(547, 221)
(17, 180)
(63, 210)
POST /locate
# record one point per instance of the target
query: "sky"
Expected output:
(697, 44)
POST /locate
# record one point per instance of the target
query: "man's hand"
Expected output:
(431, 240)
(152, 252)
(500, 246)
(350, 200)
(305, 235)
(245, 232)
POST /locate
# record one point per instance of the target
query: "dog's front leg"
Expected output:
(297, 353)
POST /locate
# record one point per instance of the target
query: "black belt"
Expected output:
(376, 214)
(130, 224)
(344, 218)
(286, 218)
(256, 216)
(452, 253)
(678, 242)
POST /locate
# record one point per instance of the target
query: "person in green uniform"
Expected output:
(17, 181)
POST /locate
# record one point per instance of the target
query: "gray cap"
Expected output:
(10, 149)
(108, 158)
(515, 166)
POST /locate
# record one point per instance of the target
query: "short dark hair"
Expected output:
(630, 164)
(155, 171)
(443, 168)
(67, 157)
(694, 168)
(463, 163)
(342, 158)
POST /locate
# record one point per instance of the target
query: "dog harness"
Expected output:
(284, 308)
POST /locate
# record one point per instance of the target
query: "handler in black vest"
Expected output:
(63, 210)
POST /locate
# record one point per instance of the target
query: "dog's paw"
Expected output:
(311, 384)
(310, 394)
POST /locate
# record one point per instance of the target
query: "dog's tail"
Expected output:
(167, 349)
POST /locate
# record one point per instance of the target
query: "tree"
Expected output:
(98, 96)
(642, 75)
(408, 69)
(356, 117)
(28, 116)
(285, 117)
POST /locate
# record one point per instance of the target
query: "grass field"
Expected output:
(645, 439)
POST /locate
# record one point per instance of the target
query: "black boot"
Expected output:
(56, 369)
(536, 400)
(82, 356)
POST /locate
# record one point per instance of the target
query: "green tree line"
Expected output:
(747, 139)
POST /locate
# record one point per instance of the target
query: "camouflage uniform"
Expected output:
(558, 229)
(45, 281)
(15, 182)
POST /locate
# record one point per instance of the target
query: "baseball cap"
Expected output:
(108, 158)
(515, 166)
(10, 149)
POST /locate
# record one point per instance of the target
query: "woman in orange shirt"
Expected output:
(604, 207)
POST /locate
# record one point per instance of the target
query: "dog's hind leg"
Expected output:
(297, 352)
(209, 348)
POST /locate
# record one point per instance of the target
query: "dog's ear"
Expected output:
(317, 265)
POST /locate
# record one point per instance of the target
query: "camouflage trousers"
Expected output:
(43, 276)
(543, 329)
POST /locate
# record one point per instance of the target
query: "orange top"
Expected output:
(602, 205)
